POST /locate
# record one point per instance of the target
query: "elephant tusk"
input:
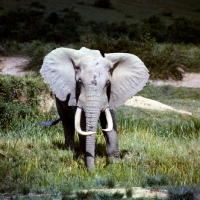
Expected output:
(109, 120)
(77, 123)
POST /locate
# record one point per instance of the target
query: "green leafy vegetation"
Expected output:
(20, 99)
(68, 25)
(183, 192)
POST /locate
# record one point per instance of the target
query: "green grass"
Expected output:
(158, 149)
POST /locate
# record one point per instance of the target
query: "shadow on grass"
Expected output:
(100, 149)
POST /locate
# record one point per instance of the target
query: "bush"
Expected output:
(155, 180)
(37, 4)
(184, 31)
(69, 26)
(103, 3)
(20, 98)
(39, 51)
(156, 27)
(163, 64)
(36, 26)
(183, 192)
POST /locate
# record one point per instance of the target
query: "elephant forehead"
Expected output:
(96, 73)
(95, 76)
(91, 62)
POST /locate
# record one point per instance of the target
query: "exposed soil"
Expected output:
(141, 102)
(15, 66)
(189, 80)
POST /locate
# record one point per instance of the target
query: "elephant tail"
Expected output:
(50, 123)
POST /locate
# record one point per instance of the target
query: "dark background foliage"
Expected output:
(67, 26)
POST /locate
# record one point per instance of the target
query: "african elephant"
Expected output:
(87, 87)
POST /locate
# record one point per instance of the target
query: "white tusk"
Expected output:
(109, 120)
(77, 123)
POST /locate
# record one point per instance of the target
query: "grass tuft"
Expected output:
(183, 192)
(154, 180)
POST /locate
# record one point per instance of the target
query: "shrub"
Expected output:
(36, 26)
(156, 27)
(105, 182)
(37, 4)
(183, 192)
(20, 98)
(39, 51)
(53, 18)
(103, 3)
(155, 180)
(167, 13)
(184, 31)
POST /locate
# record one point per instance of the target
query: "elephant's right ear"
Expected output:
(58, 71)
(129, 75)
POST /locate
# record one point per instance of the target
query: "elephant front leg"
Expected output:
(67, 122)
(69, 134)
(82, 138)
(110, 137)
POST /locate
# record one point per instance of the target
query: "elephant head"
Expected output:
(92, 82)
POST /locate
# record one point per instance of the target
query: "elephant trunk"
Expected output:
(92, 114)
(92, 111)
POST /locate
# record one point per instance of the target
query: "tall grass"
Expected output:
(158, 149)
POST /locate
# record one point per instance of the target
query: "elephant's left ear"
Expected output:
(129, 75)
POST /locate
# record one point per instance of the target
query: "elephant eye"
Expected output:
(79, 80)
(77, 68)
(107, 83)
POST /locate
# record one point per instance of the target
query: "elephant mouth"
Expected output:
(78, 119)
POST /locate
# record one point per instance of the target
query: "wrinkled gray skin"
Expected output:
(94, 78)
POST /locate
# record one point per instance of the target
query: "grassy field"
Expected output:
(158, 149)
(128, 10)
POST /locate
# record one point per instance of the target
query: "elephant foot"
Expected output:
(112, 159)
(89, 159)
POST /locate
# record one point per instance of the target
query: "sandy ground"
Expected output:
(15, 65)
(141, 102)
(189, 80)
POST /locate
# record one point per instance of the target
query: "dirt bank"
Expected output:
(13, 65)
